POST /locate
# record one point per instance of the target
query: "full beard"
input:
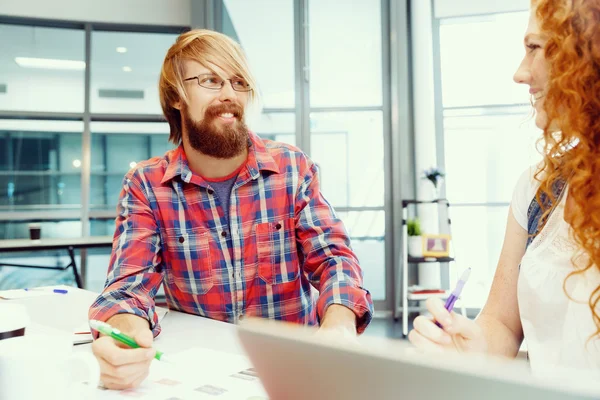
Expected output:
(222, 142)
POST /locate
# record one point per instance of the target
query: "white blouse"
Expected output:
(557, 328)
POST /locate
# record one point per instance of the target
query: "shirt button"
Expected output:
(224, 234)
(278, 226)
(181, 239)
(210, 191)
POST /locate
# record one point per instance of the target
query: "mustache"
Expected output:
(233, 108)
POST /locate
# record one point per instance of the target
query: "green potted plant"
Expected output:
(415, 243)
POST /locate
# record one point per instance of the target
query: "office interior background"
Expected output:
(375, 91)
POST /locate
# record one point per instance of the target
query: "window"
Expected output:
(347, 127)
(278, 126)
(479, 56)
(117, 148)
(275, 117)
(345, 60)
(500, 147)
(367, 231)
(268, 46)
(125, 71)
(345, 114)
(489, 137)
(41, 165)
(42, 152)
(352, 175)
(42, 69)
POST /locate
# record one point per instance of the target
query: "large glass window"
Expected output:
(117, 148)
(41, 165)
(274, 118)
(346, 132)
(479, 56)
(499, 149)
(276, 126)
(347, 126)
(125, 71)
(489, 137)
(268, 46)
(41, 69)
(352, 175)
(42, 156)
(367, 231)
(344, 67)
(345, 53)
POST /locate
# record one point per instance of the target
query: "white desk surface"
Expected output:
(180, 331)
(9, 245)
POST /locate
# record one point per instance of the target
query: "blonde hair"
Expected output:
(203, 46)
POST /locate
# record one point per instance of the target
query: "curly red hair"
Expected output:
(572, 104)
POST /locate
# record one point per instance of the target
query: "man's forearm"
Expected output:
(337, 316)
(128, 323)
(500, 339)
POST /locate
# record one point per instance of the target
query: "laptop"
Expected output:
(295, 364)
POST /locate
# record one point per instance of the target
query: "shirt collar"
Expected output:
(177, 165)
(259, 159)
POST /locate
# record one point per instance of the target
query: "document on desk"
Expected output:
(16, 294)
(82, 334)
(196, 373)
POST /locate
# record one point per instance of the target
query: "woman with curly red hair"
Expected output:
(546, 289)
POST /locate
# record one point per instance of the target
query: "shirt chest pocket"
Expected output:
(188, 260)
(276, 251)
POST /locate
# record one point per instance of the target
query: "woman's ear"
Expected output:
(177, 105)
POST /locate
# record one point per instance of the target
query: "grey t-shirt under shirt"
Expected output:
(223, 191)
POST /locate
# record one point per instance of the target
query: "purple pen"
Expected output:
(59, 291)
(456, 292)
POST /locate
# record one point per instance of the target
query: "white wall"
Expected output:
(142, 12)
(457, 8)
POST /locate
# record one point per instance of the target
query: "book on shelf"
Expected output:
(428, 291)
(415, 289)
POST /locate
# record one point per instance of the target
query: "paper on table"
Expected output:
(34, 329)
(82, 333)
(15, 294)
(196, 373)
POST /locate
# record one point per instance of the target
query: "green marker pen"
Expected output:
(116, 334)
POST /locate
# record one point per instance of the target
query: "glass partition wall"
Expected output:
(79, 107)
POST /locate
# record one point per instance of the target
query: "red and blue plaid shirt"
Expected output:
(281, 242)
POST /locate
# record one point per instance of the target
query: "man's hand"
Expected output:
(339, 322)
(122, 367)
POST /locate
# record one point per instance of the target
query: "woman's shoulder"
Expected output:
(528, 183)
(524, 192)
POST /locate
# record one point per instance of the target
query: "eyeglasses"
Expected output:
(215, 82)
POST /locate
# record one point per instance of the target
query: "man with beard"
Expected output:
(233, 225)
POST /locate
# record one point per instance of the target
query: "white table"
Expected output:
(184, 338)
(68, 244)
(180, 331)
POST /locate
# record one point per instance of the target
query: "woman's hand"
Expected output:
(458, 333)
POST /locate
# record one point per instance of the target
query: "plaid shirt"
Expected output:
(282, 241)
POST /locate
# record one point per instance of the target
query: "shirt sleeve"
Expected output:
(134, 273)
(328, 260)
(523, 194)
